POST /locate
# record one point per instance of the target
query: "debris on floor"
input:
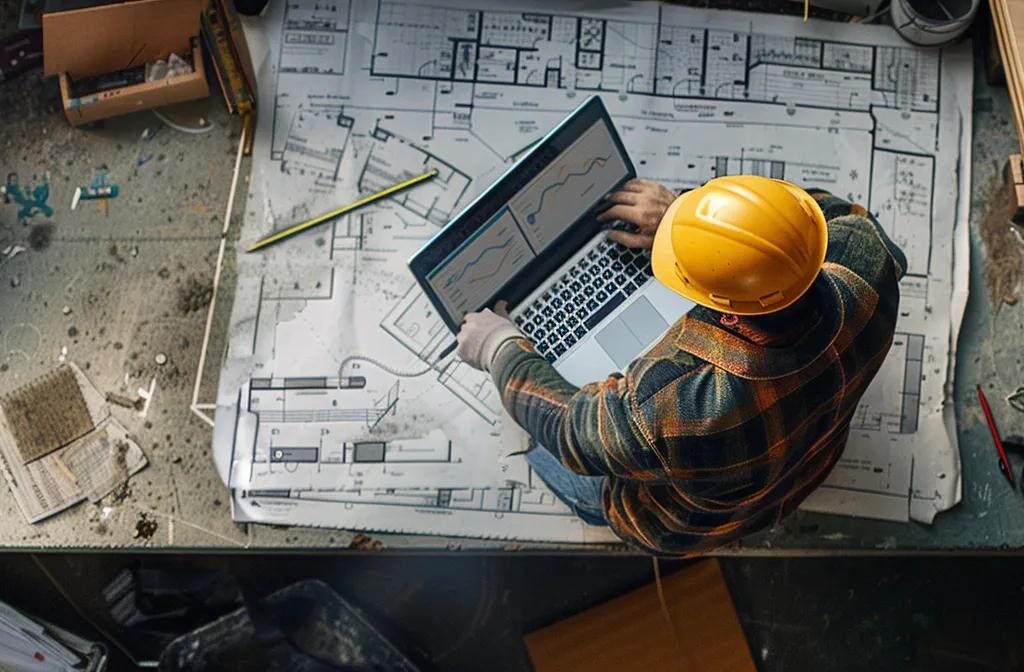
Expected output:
(1003, 244)
(100, 189)
(30, 201)
(125, 402)
(20, 52)
(194, 295)
(100, 465)
(362, 542)
(40, 235)
(147, 397)
(60, 445)
(145, 527)
(94, 194)
(10, 252)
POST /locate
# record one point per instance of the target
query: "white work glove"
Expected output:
(483, 333)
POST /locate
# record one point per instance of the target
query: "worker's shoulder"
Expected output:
(856, 240)
(841, 213)
(855, 224)
(833, 206)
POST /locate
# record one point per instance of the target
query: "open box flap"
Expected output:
(98, 40)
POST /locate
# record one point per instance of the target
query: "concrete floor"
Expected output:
(115, 288)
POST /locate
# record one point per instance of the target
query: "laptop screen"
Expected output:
(523, 224)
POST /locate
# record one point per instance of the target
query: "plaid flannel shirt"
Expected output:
(728, 422)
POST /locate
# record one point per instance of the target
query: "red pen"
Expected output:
(1004, 463)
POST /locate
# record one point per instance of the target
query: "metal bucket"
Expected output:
(933, 23)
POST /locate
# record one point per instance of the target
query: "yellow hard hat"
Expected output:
(741, 244)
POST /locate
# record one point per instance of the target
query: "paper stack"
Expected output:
(31, 644)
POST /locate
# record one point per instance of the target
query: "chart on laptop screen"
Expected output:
(474, 272)
(535, 217)
(569, 186)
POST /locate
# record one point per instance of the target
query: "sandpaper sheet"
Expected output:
(46, 414)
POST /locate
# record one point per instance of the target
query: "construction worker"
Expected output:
(725, 425)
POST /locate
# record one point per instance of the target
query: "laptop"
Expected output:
(591, 306)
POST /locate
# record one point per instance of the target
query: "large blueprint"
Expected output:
(332, 408)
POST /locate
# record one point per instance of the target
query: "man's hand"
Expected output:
(641, 203)
(483, 333)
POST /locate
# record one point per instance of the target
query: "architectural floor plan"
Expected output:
(333, 408)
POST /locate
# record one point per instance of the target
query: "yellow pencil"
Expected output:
(365, 200)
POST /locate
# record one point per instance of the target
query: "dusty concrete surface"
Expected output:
(116, 287)
(121, 286)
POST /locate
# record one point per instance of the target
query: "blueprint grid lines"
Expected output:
(464, 89)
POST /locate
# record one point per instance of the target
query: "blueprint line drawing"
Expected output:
(318, 433)
(303, 152)
(553, 188)
(393, 159)
(459, 511)
(908, 198)
(476, 391)
(365, 93)
(311, 400)
(905, 413)
(415, 324)
(314, 37)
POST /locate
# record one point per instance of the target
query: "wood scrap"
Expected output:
(1013, 183)
(125, 402)
(1008, 20)
(1004, 246)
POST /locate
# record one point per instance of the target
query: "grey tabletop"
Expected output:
(136, 281)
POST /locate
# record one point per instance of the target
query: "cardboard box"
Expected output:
(701, 631)
(101, 40)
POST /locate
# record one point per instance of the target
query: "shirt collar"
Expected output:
(768, 346)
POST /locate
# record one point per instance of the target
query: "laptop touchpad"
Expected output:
(631, 332)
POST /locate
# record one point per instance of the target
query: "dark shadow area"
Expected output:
(469, 613)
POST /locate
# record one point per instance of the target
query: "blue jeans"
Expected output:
(582, 494)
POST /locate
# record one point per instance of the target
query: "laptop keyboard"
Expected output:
(581, 298)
